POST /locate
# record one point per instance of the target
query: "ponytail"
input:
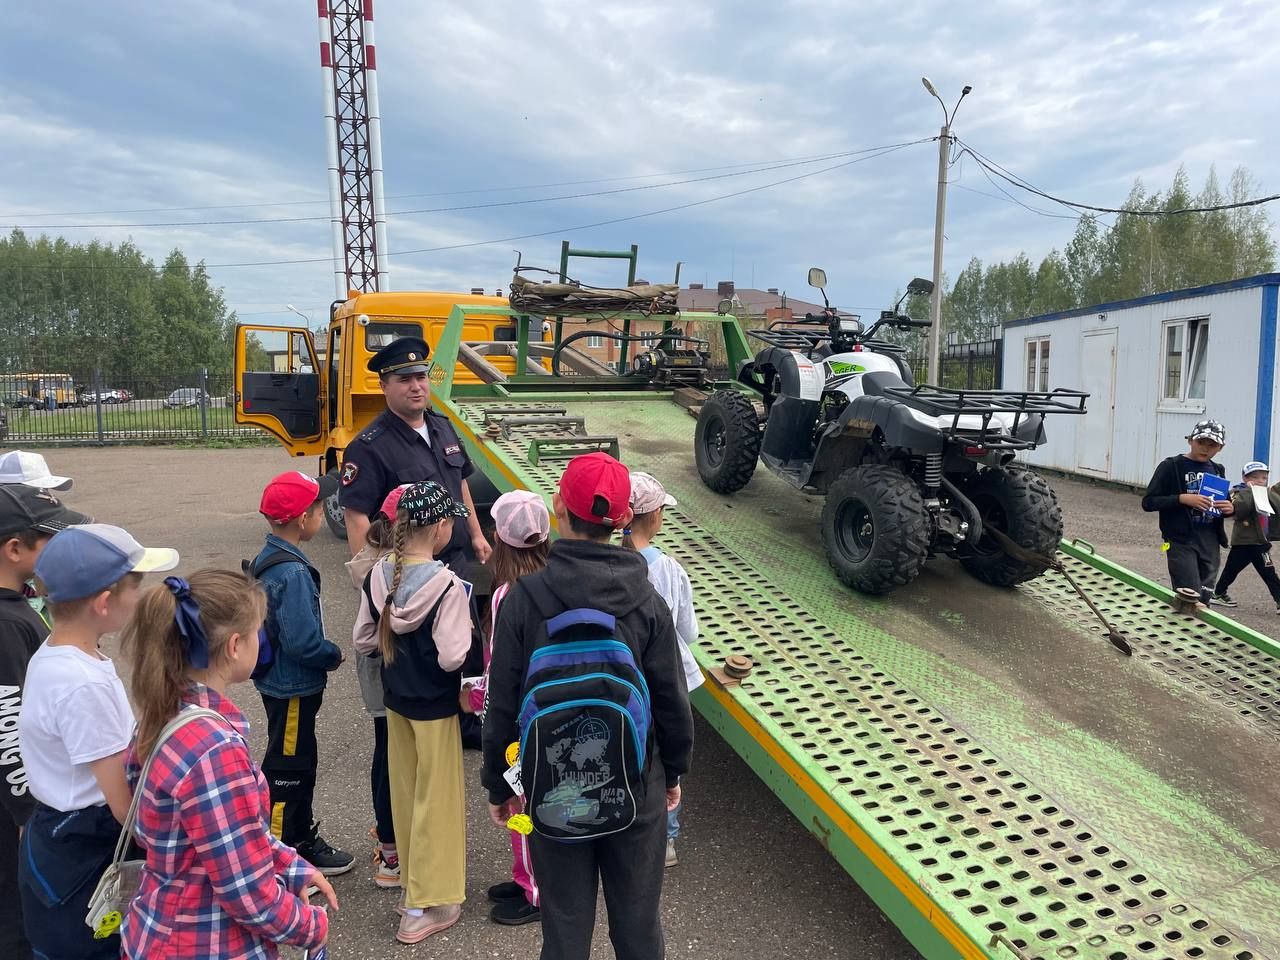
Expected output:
(158, 639)
(645, 521)
(386, 636)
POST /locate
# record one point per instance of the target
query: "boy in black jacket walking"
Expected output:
(1193, 537)
(585, 570)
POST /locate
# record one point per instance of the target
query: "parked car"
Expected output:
(109, 395)
(186, 397)
(23, 400)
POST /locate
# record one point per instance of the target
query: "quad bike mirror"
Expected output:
(817, 277)
(920, 285)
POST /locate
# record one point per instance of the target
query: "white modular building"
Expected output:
(1153, 366)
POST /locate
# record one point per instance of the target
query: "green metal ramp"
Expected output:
(981, 761)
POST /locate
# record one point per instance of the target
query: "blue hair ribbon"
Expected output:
(186, 617)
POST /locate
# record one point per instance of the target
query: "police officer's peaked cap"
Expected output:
(406, 355)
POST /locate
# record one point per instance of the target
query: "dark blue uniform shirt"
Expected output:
(390, 453)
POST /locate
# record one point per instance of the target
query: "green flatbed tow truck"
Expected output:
(980, 760)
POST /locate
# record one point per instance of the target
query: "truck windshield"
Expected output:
(379, 333)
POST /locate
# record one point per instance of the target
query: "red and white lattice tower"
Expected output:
(354, 136)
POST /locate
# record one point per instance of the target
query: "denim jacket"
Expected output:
(303, 655)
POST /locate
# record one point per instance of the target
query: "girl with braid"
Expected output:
(415, 612)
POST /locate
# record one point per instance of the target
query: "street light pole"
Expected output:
(292, 309)
(939, 222)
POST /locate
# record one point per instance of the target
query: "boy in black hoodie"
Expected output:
(585, 570)
(1193, 537)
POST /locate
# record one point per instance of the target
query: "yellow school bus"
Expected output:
(38, 390)
(317, 398)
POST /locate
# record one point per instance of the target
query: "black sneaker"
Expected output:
(1224, 600)
(330, 861)
(502, 892)
(512, 913)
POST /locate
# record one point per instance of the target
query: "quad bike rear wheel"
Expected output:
(726, 442)
(1021, 505)
(875, 528)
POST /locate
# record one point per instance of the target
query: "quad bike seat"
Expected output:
(877, 383)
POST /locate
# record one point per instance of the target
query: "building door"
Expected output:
(1098, 379)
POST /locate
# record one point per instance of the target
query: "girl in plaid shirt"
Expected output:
(216, 882)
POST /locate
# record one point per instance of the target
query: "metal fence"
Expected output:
(964, 366)
(110, 409)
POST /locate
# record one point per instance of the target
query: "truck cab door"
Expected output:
(280, 386)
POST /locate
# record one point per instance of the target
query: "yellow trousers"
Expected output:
(424, 760)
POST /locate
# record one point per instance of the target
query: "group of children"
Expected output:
(1192, 516)
(232, 849)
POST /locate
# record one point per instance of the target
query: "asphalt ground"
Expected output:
(751, 883)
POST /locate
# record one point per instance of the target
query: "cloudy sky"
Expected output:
(113, 112)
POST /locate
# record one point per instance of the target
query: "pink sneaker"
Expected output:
(433, 920)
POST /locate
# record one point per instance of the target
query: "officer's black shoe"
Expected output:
(328, 860)
(512, 913)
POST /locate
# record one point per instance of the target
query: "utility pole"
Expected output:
(939, 222)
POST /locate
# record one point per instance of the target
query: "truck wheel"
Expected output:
(333, 512)
(726, 442)
(875, 528)
(1022, 505)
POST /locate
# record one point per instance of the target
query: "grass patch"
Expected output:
(125, 422)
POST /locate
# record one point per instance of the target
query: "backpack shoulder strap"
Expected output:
(258, 567)
(184, 716)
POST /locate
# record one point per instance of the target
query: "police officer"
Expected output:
(408, 442)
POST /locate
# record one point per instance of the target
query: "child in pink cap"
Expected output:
(379, 542)
(522, 524)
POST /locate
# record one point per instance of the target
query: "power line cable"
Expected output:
(997, 170)
(763, 164)
(402, 213)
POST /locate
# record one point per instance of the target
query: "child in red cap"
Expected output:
(292, 687)
(584, 570)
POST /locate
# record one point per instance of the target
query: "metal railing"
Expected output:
(109, 409)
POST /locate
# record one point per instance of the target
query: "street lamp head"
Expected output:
(291, 308)
(928, 85)
(966, 91)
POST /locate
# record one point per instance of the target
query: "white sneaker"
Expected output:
(672, 859)
(386, 875)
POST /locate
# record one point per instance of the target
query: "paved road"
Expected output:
(751, 883)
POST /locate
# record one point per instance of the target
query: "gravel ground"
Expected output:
(751, 883)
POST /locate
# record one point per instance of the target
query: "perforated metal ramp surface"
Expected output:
(1033, 784)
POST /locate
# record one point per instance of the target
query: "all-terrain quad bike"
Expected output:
(908, 471)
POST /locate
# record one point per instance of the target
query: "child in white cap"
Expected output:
(522, 525)
(1251, 535)
(648, 501)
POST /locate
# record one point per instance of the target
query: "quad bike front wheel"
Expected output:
(726, 442)
(875, 528)
(1020, 504)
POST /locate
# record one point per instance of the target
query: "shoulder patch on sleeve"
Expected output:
(349, 473)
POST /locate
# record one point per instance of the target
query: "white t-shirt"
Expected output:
(74, 711)
(672, 584)
(423, 433)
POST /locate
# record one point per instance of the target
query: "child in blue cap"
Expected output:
(73, 730)
(1251, 534)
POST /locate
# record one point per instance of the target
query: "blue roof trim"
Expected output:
(1266, 375)
(1244, 283)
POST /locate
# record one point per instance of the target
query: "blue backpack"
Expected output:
(584, 729)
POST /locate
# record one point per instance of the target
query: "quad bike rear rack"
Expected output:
(957, 403)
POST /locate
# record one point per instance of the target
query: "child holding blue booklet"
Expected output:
(1185, 491)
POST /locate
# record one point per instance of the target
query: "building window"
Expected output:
(1186, 357)
(595, 342)
(1038, 364)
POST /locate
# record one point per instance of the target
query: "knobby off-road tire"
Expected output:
(1022, 505)
(875, 528)
(726, 442)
